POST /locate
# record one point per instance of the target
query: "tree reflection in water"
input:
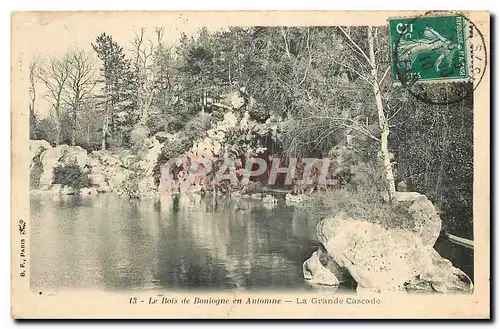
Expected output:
(177, 243)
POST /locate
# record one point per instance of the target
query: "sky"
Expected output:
(47, 35)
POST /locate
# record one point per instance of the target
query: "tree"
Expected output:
(143, 53)
(368, 72)
(382, 118)
(80, 84)
(118, 87)
(54, 76)
(166, 76)
(34, 68)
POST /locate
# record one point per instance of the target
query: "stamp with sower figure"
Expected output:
(437, 47)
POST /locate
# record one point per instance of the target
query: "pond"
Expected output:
(111, 243)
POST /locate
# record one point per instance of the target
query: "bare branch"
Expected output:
(347, 123)
(355, 45)
(383, 76)
(287, 46)
(310, 58)
(395, 113)
(355, 71)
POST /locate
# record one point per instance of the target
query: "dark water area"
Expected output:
(459, 256)
(111, 243)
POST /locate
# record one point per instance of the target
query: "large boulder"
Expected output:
(380, 259)
(423, 214)
(93, 159)
(116, 176)
(37, 147)
(49, 160)
(321, 269)
(317, 273)
(376, 258)
(74, 155)
(60, 155)
(98, 178)
(150, 157)
(107, 171)
(444, 277)
(103, 158)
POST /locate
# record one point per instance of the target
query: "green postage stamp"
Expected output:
(429, 48)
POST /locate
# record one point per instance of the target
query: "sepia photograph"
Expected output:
(176, 155)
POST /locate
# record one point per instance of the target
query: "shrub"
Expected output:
(138, 136)
(170, 150)
(130, 186)
(47, 130)
(197, 127)
(359, 205)
(71, 175)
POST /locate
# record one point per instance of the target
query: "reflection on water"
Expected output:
(113, 243)
(107, 242)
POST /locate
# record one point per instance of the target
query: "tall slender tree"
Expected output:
(80, 84)
(118, 85)
(34, 67)
(54, 75)
(368, 71)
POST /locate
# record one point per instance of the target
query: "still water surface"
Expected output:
(111, 243)
(107, 242)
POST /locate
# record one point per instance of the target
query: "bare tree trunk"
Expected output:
(58, 132)
(287, 46)
(104, 132)
(73, 122)
(145, 108)
(58, 123)
(73, 130)
(105, 125)
(383, 122)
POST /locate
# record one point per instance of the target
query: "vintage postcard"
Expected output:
(251, 165)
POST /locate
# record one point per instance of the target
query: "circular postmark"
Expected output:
(439, 57)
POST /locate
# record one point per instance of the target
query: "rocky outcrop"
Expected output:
(381, 259)
(146, 185)
(107, 172)
(37, 147)
(294, 199)
(424, 216)
(59, 155)
(133, 173)
(321, 269)
(233, 137)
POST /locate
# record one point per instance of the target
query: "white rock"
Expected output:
(37, 147)
(88, 191)
(56, 188)
(103, 189)
(406, 196)
(236, 100)
(68, 190)
(256, 196)
(316, 273)
(384, 260)
(230, 121)
(292, 199)
(60, 155)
